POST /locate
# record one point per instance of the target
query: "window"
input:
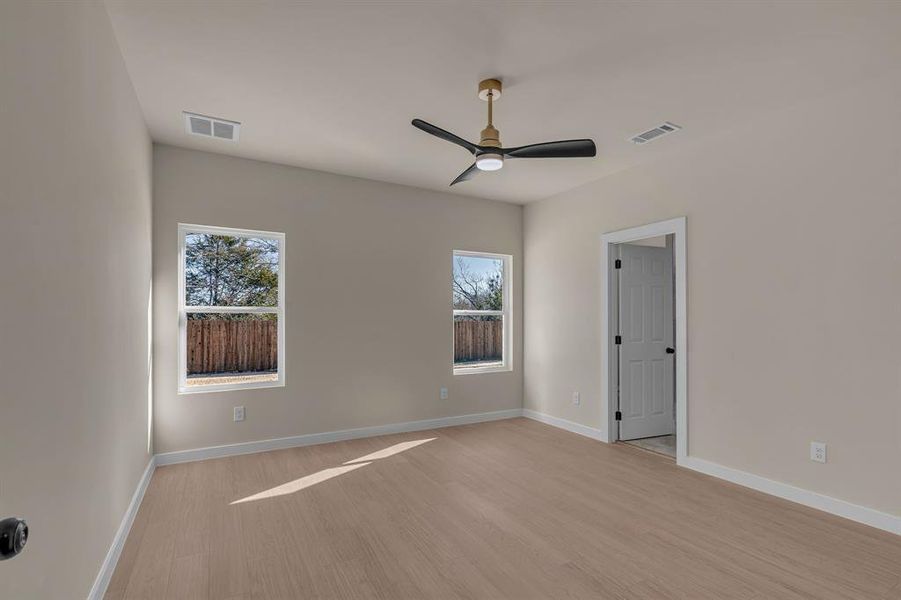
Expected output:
(231, 321)
(482, 312)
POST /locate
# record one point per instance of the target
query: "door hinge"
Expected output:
(619, 416)
(618, 264)
(618, 340)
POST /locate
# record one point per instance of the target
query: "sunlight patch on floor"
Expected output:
(391, 450)
(324, 475)
(302, 483)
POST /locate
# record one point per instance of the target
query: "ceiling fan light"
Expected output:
(489, 162)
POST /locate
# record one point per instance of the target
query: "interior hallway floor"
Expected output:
(506, 509)
(662, 444)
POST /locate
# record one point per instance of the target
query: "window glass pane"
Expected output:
(223, 270)
(231, 348)
(478, 341)
(478, 283)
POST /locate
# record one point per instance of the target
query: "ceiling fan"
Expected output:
(490, 154)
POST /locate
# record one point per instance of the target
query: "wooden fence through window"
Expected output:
(478, 341)
(218, 346)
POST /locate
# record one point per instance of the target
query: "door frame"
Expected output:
(676, 227)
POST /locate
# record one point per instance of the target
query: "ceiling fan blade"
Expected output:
(444, 135)
(466, 175)
(561, 149)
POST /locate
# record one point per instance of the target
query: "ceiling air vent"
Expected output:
(211, 127)
(651, 134)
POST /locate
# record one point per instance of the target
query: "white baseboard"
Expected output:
(112, 557)
(170, 458)
(563, 424)
(841, 508)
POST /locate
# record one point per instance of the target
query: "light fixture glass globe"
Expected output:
(489, 162)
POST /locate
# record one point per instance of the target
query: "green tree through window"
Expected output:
(222, 270)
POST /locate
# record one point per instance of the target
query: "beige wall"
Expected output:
(368, 298)
(794, 281)
(75, 219)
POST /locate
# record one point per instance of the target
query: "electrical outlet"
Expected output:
(239, 413)
(577, 399)
(818, 452)
(443, 393)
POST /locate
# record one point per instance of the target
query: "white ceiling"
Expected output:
(333, 86)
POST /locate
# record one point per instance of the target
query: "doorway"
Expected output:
(645, 377)
(644, 388)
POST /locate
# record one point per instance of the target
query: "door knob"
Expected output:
(13, 535)
(670, 350)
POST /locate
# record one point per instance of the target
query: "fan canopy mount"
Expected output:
(490, 87)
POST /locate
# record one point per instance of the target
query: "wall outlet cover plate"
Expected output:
(818, 452)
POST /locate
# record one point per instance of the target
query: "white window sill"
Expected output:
(228, 387)
(485, 369)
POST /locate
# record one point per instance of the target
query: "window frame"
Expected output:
(183, 309)
(506, 315)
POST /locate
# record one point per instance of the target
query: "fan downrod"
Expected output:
(490, 91)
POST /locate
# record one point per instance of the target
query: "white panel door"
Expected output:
(646, 367)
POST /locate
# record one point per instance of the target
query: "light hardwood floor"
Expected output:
(510, 509)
